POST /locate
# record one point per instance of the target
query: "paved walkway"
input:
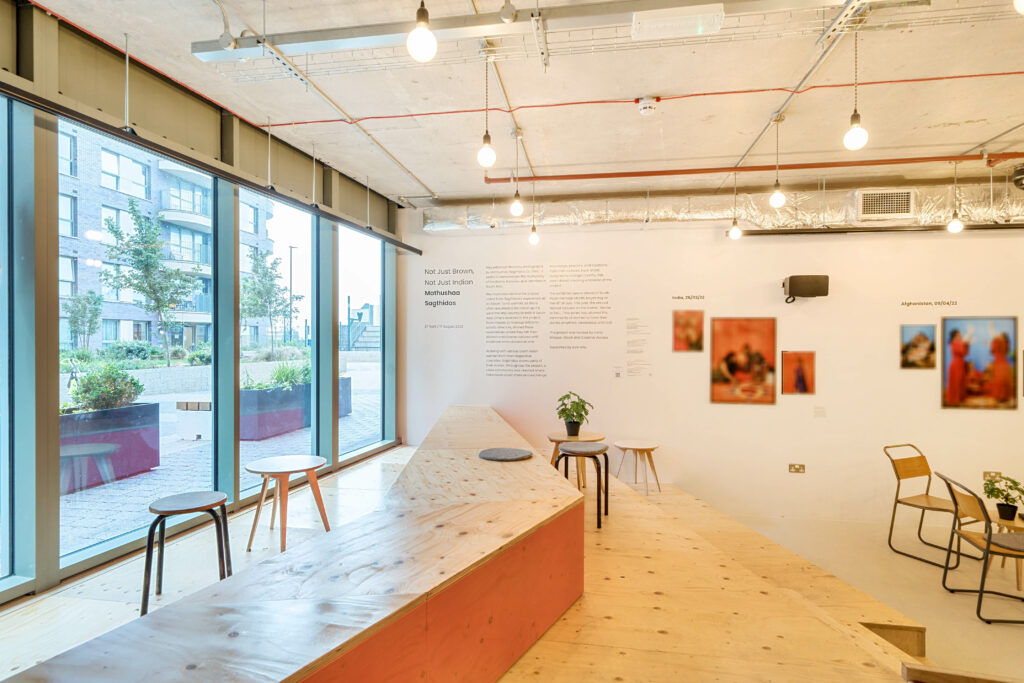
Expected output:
(104, 512)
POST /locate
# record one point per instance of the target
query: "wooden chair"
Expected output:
(991, 545)
(914, 467)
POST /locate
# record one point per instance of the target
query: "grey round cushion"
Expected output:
(1013, 541)
(582, 448)
(505, 454)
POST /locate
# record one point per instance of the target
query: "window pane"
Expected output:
(66, 215)
(123, 448)
(275, 300)
(360, 356)
(5, 365)
(66, 151)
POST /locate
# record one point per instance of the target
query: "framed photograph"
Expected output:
(798, 372)
(687, 330)
(979, 363)
(743, 360)
(917, 346)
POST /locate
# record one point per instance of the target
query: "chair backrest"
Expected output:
(966, 503)
(908, 468)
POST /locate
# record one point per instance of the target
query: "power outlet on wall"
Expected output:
(796, 468)
(992, 475)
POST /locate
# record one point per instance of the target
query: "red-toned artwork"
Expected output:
(798, 372)
(687, 330)
(743, 360)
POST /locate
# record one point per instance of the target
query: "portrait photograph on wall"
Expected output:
(687, 330)
(917, 346)
(798, 372)
(979, 367)
(743, 360)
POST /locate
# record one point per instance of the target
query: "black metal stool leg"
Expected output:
(606, 471)
(149, 565)
(220, 544)
(160, 557)
(227, 541)
(597, 466)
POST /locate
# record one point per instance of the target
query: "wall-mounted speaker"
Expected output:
(804, 286)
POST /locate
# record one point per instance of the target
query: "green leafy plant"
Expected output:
(573, 408)
(200, 357)
(1005, 490)
(139, 253)
(106, 388)
(135, 350)
(249, 384)
(287, 375)
(178, 352)
(83, 315)
(79, 355)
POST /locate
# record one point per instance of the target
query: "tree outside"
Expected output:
(139, 252)
(83, 311)
(262, 298)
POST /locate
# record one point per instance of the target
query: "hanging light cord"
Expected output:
(517, 162)
(734, 197)
(856, 69)
(487, 91)
(776, 151)
(956, 198)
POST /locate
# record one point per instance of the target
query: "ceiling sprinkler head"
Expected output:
(508, 12)
(647, 105)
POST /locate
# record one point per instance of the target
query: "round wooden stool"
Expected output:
(560, 437)
(642, 451)
(583, 449)
(279, 468)
(210, 502)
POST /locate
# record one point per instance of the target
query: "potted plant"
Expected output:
(275, 407)
(1008, 492)
(104, 411)
(573, 410)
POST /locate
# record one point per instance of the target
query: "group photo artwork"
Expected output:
(687, 330)
(798, 372)
(979, 363)
(917, 346)
(743, 360)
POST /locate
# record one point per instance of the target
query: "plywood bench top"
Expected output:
(447, 513)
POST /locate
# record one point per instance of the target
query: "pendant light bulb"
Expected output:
(1019, 6)
(734, 232)
(421, 43)
(955, 225)
(534, 237)
(778, 198)
(516, 207)
(857, 136)
(486, 156)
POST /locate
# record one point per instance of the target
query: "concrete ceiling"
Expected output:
(938, 117)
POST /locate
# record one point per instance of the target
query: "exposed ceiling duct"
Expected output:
(1000, 203)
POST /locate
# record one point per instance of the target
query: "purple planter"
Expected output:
(263, 413)
(128, 438)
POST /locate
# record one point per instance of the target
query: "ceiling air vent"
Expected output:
(884, 204)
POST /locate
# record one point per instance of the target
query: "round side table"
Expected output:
(279, 468)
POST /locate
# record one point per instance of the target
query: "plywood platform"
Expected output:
(445, 519)
(662, 602)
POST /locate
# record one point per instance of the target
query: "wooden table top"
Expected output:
(1015, 524)
(446, 514)
(85, 450)
(561, 437)
(636, 445)
(286, 464)
(182, 503)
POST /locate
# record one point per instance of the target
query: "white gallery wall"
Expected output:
(734, 456)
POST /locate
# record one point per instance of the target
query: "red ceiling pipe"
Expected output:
(990, 159)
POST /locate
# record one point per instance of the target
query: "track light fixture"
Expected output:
(777, 200)
(857, 136)
(421, 43)
(955, 225)
(486, 155)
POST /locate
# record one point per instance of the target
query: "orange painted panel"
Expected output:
(478, 627)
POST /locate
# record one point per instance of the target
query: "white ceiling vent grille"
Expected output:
(884, 204)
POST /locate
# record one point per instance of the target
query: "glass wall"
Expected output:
(275, 398)
(5, 365)
(135, 270)
(360, 335)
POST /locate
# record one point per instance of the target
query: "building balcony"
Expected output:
(185, 217)
(200, 303)
(186, 173)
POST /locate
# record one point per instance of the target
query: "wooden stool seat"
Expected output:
(279, 468)
(643, 451)
(184, 503)
(210, 502)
